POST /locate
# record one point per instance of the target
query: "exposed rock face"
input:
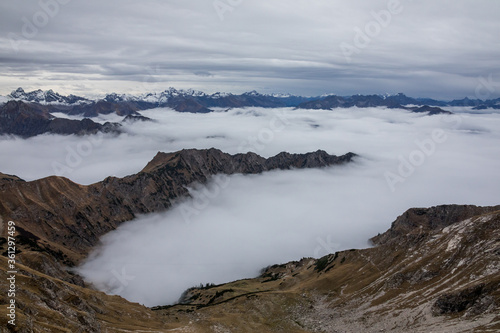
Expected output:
(187, 104)
(417, 223)
(81, 214)
(134, 118)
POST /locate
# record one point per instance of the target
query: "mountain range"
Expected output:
(28, 114)
(435, 269)
(179, 99)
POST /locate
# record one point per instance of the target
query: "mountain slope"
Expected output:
(436, 269)
(27, 120)
(58, 222)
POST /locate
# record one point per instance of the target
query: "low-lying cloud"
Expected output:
(239, 224)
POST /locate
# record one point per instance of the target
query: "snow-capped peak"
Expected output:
(280, 95)
(218, 95)
(252, 93)
(45, 97)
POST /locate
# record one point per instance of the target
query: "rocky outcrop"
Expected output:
(134, 118)
(430, 110)
(417, 223)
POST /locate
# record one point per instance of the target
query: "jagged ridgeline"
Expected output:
(81, 214)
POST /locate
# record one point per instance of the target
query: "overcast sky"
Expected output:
(422, 48)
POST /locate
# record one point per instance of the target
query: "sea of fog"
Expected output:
(236, 225)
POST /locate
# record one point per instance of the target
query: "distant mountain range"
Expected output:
(180, 100)
(197, 101)
(32, 113)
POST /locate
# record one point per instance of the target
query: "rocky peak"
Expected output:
(416, 221)
(215, 160)
(45, 97)
(83, 213)
(252, 93)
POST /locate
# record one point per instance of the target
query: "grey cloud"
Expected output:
(278, 45)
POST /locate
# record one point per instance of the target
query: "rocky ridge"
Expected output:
(81, 214)
(27, 120)
(436, 269)
(58, 222)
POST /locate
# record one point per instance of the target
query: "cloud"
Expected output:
(203, 73)
(272, 47)
(236, 225)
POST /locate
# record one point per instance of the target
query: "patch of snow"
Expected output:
(281, 95)
(218, 95)
(194, 93)
(66, 116)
